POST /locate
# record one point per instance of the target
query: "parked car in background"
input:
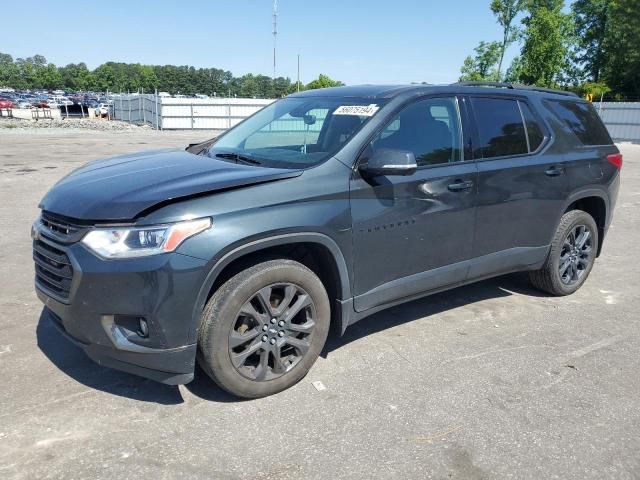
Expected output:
(91, 103)
(25, 104)
(243, 250)
(102, 110)
(6, 103)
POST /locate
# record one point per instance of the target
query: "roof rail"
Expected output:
(485, 84)
(514, 86)
(547, 90)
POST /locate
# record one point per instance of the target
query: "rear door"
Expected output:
(522, 184)
(587, 164)
(413, 233)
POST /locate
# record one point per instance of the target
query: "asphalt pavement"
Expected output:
(493, 380)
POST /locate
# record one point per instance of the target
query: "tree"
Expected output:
(76, 76)
(595, 89)
(483, 65)
(323, 81)
(8, 71)
(622, 46)
(512, 75)
(547, 36)
(590, 18)
(506, 11)
(36, 72)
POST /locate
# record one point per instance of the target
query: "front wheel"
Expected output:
(264, 328)
(573, 253)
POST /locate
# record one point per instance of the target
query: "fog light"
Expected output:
(144, 328)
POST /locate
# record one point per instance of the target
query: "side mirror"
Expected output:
(386, 161)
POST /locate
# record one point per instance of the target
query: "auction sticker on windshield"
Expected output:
(360, 110)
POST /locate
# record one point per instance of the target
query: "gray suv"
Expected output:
(319, 210)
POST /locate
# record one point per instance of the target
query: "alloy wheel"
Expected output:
(272, 332)
(576, 255)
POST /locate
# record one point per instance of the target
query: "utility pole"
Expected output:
(275, 34)
(298, 82)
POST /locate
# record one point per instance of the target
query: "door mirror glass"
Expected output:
(386, 161)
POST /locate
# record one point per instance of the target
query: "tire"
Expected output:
(238, 310)
(549, 278)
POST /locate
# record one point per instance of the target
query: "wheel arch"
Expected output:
(317, 251)
(596, 203)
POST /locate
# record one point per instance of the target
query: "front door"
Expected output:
(413, 233)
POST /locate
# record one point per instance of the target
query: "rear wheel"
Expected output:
(573, 252)
(264, 328)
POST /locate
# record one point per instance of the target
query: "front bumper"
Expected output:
(107, 298)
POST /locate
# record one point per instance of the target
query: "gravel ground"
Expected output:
(17, 125)
(493, 380)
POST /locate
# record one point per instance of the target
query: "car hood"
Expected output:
(121, 188)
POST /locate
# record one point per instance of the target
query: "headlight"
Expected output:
(123, 242)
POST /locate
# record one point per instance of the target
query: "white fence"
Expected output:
(166, 113)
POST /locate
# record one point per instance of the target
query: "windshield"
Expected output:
(295, 132)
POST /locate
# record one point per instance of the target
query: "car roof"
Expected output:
(374, 92)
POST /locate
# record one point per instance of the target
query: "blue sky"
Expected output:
(373, 41)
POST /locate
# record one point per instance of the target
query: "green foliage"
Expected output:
(323, 81)
(594, 50)
(622, 49)
(36, 73)
(547, 38)
(506, 12)
(483, 65)
(597, 89)
(590, 18)
(512, 74)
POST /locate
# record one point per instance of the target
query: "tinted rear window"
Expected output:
(536, 136)
(500, 127)
(583, 120)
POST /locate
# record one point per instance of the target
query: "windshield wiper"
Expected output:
(238, 157)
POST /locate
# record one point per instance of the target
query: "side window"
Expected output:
(534, 132)
(429, 128)
(583, 120)
(500, 127)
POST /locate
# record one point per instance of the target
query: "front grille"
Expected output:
(57, 226)
(60, 229)
(54, 271)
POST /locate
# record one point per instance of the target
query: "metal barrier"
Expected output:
(166, 113)
(622, 120)
(6, 112)
(38, 113)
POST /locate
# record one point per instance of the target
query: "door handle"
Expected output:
(554, 171)
(459, 185)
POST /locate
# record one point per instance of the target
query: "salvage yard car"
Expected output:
(102, 110)
(317, 211)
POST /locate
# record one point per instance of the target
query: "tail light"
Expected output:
(615, 159)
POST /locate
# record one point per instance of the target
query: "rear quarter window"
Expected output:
(583, 120)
